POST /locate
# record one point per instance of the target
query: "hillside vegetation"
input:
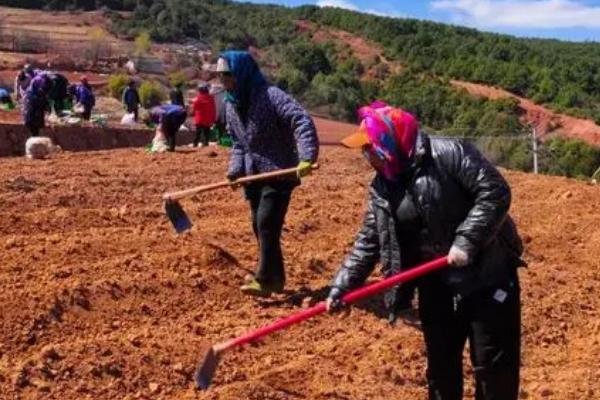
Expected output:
(331, 80)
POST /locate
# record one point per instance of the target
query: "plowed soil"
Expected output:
(100, 299)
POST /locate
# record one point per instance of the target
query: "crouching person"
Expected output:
(35, 104)
(169, 118)
(433, 197)
(84, 98)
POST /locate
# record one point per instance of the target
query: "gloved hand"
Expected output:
(304, 168)
(457, 257)
(334, 301)
(233, 178)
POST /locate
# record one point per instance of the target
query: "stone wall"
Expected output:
(78, 138)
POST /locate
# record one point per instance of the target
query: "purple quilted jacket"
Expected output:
(278, 134)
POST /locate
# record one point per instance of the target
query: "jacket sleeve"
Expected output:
(236, 157)
(491, 196)
(364, 255)
(295, 116)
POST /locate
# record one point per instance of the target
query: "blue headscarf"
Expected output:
(247, 78)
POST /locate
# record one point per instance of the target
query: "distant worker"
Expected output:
(270, 131)
(169, 118)
(35, 104)
(6, 102)
(131, 100)
(58, 94)
(176, 96)
(22, 82)
(204, 114)
(84, 98)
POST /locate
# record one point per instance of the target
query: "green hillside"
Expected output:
(329, 79)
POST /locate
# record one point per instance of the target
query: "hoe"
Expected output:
(208, 366)
(177, 215)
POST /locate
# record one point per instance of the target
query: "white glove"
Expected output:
(457, 257)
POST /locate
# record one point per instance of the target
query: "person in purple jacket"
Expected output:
(84, 97)
(270, 131)
(35, 104)
(168, 118)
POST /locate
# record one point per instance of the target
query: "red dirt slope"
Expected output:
(545, 120)
(100, 300)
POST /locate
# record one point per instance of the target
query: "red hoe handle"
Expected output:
(208, 366)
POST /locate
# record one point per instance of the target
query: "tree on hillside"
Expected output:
(142, 44)
(99, 45)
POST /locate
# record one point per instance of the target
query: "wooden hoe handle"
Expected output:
(246, 179)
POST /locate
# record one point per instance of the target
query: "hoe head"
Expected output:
(181, 222)
(206, 369)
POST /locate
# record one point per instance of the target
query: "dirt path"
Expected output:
(101, 300)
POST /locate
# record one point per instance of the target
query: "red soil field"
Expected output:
(101, 300)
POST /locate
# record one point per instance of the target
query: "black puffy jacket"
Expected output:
(461, 199)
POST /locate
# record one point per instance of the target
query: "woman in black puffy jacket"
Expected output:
(433, 197)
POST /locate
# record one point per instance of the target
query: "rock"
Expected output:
(42, 386)
(115, 324)
(195, 273)
(567, 195)
(546, 392)
(308, 302)
(134, 340)
(153, 387)
(10, 242)
(179, 368)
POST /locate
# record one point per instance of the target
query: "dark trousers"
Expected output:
(34, 130)
(491, 321)
(87, 113)
(269, 203)
(135, 111)
(171, 135)
(202, 134)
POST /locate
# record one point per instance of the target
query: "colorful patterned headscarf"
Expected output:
(392, 135)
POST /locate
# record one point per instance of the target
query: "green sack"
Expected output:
(214, 134)
(225, 141)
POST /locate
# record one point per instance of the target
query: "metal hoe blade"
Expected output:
(206, 369)
(181, 222)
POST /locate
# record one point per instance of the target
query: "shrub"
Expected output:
(117, 84)
(570, 157)
(177, 79)
(151, 94)
(142, 44)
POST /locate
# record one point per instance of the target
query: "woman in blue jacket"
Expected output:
(270, 131)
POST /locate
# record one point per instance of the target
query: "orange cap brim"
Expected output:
(358, 139)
